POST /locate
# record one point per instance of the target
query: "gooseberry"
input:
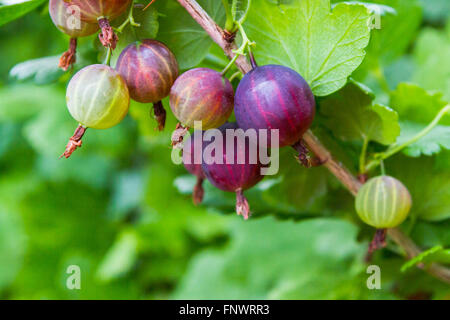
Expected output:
(383, 202)
(149, 68)
(75, 29)
(204, 95)
(275, 97)
(97, 97)
(101, 12)
(233, 176)
(194, 166)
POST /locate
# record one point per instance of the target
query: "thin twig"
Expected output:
(335, 167)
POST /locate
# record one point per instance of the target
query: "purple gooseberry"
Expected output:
(275, 97)
(233, 177)
(149, 68)
(189, 162)
(204, 95)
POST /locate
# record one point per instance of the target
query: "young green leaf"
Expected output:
(351, 115)
(417, 108)
(41, 71)
(324, 46)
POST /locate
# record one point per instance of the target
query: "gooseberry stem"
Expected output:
(107, 36)
(246, 46)
(68, 58)
(108, 56)
(396, 148)
(242, 206)
(160, 114)
(198, 193)
(148, 5)
(74, 141)
(130, 19)
(378, 242)
(362, 157)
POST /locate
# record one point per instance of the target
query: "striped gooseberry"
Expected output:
(194, 166)
(383, 202)
(149, 68)
(97, 97)
(75, 29)
(204, 95)
(233, 176)
(101, 12)
(275, 97)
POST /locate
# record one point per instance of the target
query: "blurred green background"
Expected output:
(122, 211)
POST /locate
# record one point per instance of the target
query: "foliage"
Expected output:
(122, 211)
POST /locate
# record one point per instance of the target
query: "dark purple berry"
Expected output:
(275, 97)
(234, 177)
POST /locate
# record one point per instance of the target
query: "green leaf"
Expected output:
(417, 108)
(41, 71)
(15, 11)
(271, 259)
(429, 185)
(120, 258)
(431, 56)
(12, 246)
(179, 31)
(324, 47)
(350, 114)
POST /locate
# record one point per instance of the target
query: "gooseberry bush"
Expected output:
(359, 99)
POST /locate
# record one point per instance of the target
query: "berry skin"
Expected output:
(234, 177)
(92, 10)
(101, 12)
(195, 169)
(149, 68)
(202, 94)
(383, 202)
(62, 20)
(97, 97)
(275, 97)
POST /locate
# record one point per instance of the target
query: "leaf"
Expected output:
(41, 71)
(431, 56)
(324, 47)
(15, 11)
(429, 185)
(434, 142)
(350, 114)
(396, 31)
(179, 31)
(12, 246)
(120, 258)
(417, 108)
(271, 259)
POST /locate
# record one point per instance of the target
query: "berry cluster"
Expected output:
(270, 97)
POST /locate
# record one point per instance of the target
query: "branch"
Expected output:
(219, 36)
